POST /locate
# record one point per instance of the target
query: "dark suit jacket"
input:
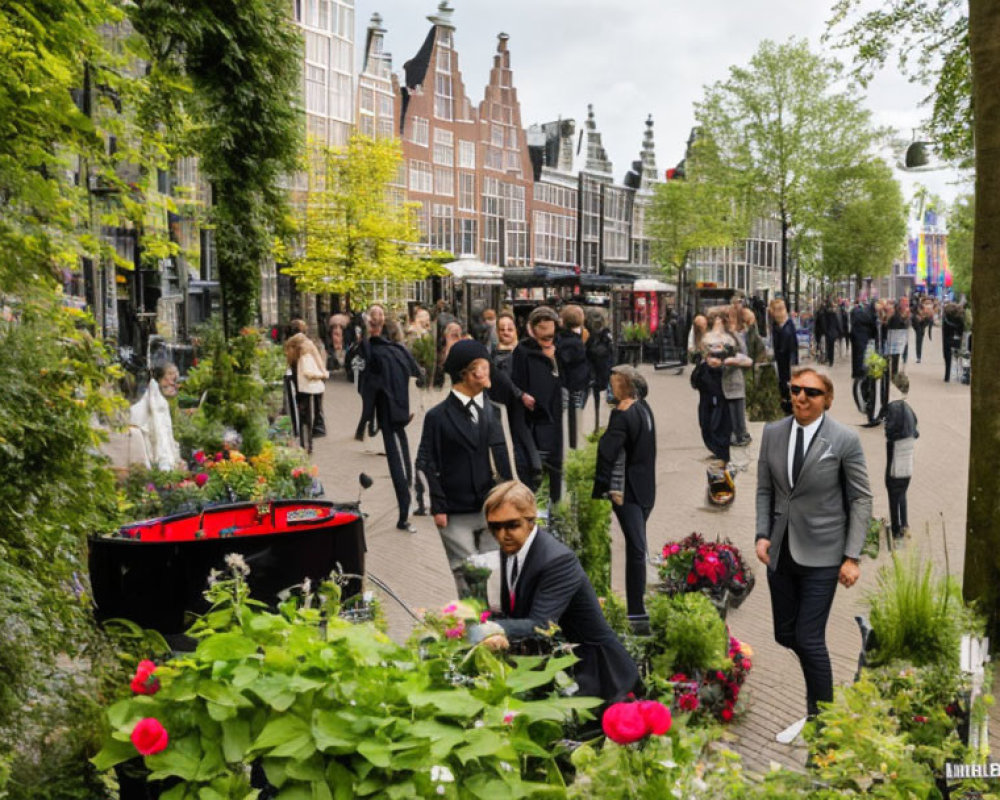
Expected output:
(388, 369)
(634, 432)
(533, 372)
(574, 368)
(552, 587)
(454, 455)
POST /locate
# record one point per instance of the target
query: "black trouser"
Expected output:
(831, 344)
(801, 598)
(919, 336)
(397, 452)
(632, 518)
(897, 503)
(306, 408)
(318, 420)
(549, 441)
(949, 344)
(716, 423)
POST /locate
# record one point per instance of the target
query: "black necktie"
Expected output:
(470, 409)
(800, 454)
(513, 580)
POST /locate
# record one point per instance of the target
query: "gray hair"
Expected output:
(635, 383)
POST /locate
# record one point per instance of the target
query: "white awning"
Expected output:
(469, 268)
(652, 285)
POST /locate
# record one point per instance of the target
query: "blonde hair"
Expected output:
(571, 316)
(299, 345)
(515, 493)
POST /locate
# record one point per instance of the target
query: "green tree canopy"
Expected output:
(355, 228)
(865, 226)
(782, 127)
(961, 225)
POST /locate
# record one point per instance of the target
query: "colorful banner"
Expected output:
(921, 260)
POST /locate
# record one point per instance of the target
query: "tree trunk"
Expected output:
(982, 543)
(784, 259)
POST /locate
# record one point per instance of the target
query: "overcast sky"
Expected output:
(631, 58)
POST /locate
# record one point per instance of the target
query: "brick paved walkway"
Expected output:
(415, 566)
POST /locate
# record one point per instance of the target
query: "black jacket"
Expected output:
(552, 587)
(863, 325)
(952, 327)
(388, 367)
(534, 372)
(900, 421)
(634, 432)
(600, 352)
(455, 455)
(574, 369)
(786, 349)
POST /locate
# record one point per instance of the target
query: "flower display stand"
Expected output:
(154, 572)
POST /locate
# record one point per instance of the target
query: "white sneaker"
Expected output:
(791, 733)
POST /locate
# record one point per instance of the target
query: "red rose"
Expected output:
(199, 456)
(201, 478)
(920, 718)
(746, 664)
(219, 456)
(656, 715)
(679, 677)
(623, 723)
(145, 682)
(688, 702)
(149, 736)
(692, 578)
(726, 714)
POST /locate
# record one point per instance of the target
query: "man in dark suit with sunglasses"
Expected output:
(543, 583)
(813, 507)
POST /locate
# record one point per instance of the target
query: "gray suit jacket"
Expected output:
(825, 515)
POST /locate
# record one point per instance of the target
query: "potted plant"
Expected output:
(716, 569)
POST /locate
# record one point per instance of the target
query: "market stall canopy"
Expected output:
(469, 268)
(652, 285)
(548, 276)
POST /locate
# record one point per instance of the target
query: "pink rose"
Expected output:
(623, 723)
(145, 682)
(449, 609)
(149, 736)
(688, 702)
(485, 615)
(457, 632)
(199, 456)
(201, 479)
(508, 718)
(219, 456)
(656, 715)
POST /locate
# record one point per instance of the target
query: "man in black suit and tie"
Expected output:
(462, 447)
(542, 583)
(813, 507)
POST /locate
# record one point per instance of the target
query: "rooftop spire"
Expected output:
(443, 16)
(597, 159)
(649, 174)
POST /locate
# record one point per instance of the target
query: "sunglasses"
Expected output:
(496, 526)
(811, 391)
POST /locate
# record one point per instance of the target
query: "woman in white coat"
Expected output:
(310, 382)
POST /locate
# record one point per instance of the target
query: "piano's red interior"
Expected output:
(247, 521)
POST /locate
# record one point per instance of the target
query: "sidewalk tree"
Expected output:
(865, 227)
(954, 48)
(781, 125)
(355, 227)
(233, 69)
(930, 39)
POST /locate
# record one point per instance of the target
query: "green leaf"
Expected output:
(113, 752)
(275, 690)
(341, 779)
(295, 792)
(482, 742)
(279, 731)
(444, 738)
(181, 759)
(522, 680)
(332, 732)
(235, 739)
(456, 702)
(320, 791)
(309, 770)
(378, 753)
(230, 646)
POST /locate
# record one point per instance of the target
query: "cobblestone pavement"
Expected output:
(414, 565)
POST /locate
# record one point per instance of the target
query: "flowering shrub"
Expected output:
(714, 693)
(325, 706)
(227, 476)
(716, 568)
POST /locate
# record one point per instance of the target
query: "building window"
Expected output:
(419, 131)
(367, 126)
(385, 105)
(466, 154)
(496, 135)
(466, 191)
(444, 105)
(494, 158)
(444, 147)
(315, 89)
(444, 181)
(421, 177)
(367, 99)
(384, 129)
(515, 202)
(512, 161)
(443, 60)
(467, 237)
(443, 228)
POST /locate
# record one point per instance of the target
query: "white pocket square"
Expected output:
(828, 454)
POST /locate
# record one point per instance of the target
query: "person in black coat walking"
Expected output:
(864, 329)
(786, 349)
(385, 371)
(543, 583)
(535, 371)
(900, 434)
(462, 452)
(574, 369)
(952, 328)
(600, 356)
(630, 437)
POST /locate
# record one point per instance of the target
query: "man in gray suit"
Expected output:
(813, 507)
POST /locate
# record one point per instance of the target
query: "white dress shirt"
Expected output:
(520, 555)
(808, 431)
(476, 408)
